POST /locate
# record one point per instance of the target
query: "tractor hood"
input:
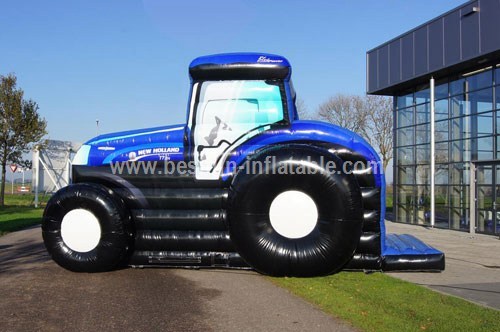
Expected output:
(164, 143)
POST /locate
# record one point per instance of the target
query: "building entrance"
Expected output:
(487, 197)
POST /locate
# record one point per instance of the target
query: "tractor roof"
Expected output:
(240, 66)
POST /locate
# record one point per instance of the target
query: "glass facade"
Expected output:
(467, 133)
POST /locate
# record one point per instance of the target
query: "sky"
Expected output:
(125, 63)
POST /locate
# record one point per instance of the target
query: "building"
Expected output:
(445, 79)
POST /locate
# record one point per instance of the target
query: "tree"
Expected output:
(21, 126)
(368, 116)
(304, 113)
(345, 111)
(378, 131)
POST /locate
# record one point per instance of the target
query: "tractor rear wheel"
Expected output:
(306, 221)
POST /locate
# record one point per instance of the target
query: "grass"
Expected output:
(19, 212)
(377, 302)
(388, 202)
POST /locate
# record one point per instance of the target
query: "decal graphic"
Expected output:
(265, 59)
(106, 148)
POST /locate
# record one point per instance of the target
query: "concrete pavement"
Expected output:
(38, 295)
(472, 263)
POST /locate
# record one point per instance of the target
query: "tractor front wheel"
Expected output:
(86, 228)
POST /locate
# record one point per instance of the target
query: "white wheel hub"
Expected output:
(293, 214)
(80, 230)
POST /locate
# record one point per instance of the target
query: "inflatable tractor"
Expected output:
(242, 184)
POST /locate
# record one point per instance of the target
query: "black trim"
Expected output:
(193, 117)
(180, 220)
(366, 262)
(183, 240)
(196, 259)
(239, 71)
(414, 263)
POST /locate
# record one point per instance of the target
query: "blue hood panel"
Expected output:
(159, 143)
(313, 131)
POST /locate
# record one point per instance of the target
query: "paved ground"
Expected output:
(472, 263)
(36, 294)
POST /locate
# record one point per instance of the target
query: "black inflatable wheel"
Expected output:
(86, 228)
(283, 241)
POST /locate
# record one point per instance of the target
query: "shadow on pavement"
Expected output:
(37, 294)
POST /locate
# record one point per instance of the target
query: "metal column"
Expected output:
(36, 173)
(473, 199)
(433, 158)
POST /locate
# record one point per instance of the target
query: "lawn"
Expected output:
(19, 212)
(377, 302)
(388, 202)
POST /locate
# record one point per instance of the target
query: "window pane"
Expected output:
(460, 196)
(441, 200)
(442, 131)
(481, 101)
(459, 216)
(441, 109)
(498, 147)
(441, 150)
(423, 113)
(497, 97)
(226, 111)
(405, 194)
(485, 124)
(442, 220)
(457, 87)
(406, 203)
(485, 148)
(485, 221)
(485, 197)
(441, 195)
(498, 122)
(405, 136)
(406, 174)
(405, 156)
(460, 174)
(423, 154)
(423, 199)
(479, 81)
(422, 96)
(423, 133)
(404, 101)
(442, 174)
(249, 103)
(423, 205)
(460, 128)
(441, 91)
(458, 106)
(405, 117)
(460, 150)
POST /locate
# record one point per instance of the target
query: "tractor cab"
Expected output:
(234, 97)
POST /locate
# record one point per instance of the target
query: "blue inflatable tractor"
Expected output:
(242, 184)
